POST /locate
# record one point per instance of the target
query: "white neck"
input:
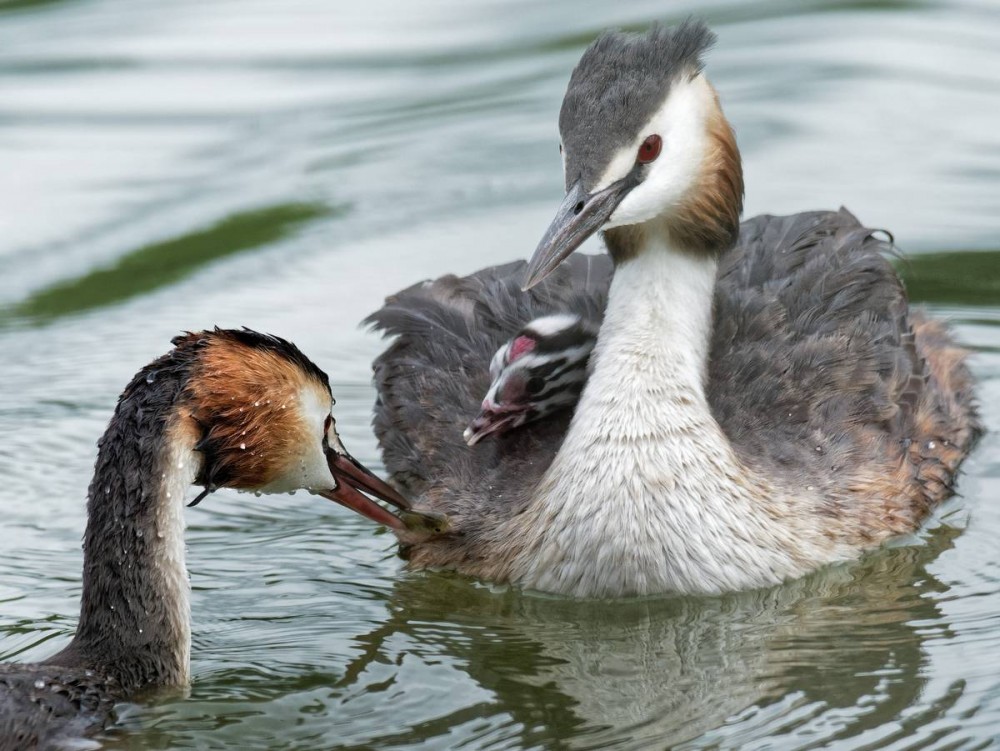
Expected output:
(646, 494)
(170, 554)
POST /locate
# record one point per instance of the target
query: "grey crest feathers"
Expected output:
(621, 80)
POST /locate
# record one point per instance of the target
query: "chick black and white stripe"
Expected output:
(540, 370)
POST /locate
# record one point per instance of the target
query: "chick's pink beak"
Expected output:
(491, 420)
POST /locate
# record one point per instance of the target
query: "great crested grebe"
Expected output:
(232, 409)
(541, 370)
(761, 399)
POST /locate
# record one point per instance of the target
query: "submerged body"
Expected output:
(762, 401)
(222, 409)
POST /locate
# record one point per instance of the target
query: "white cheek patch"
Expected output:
(308, 468)
(680, 121)
(621, 164)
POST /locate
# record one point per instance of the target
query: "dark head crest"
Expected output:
(618, 85)
(254, 340)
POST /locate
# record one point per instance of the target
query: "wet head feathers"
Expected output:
(245, 392)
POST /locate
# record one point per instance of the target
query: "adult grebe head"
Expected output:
(257, 413)
(645, 146)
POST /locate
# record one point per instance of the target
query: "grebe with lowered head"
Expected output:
(232, 409)
(762, 400)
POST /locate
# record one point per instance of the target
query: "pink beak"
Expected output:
(490, 420)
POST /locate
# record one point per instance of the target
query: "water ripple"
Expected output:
(293, 163)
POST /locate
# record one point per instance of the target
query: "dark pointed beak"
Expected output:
(352, 477)
(580, 215)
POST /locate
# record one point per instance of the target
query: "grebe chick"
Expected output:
(222, 409)
(762, 400)
(540, 370)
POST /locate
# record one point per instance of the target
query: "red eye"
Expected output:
(649, 150)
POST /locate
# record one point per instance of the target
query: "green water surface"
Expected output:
(285, 164)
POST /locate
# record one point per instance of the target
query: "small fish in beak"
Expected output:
(353, 477)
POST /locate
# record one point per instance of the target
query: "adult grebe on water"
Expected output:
(233, 409)
(761, 402)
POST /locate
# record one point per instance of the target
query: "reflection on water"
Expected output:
(159, 264)
(175, 166)
(959, 277)
(591, 674)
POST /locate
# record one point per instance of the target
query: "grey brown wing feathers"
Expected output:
(433, 376)
(823, 378)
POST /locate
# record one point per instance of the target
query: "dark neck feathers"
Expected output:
(134, 614)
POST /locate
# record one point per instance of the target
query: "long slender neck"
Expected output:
(650, 361)
(135, 612)
(660, 315)
(646, 493)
